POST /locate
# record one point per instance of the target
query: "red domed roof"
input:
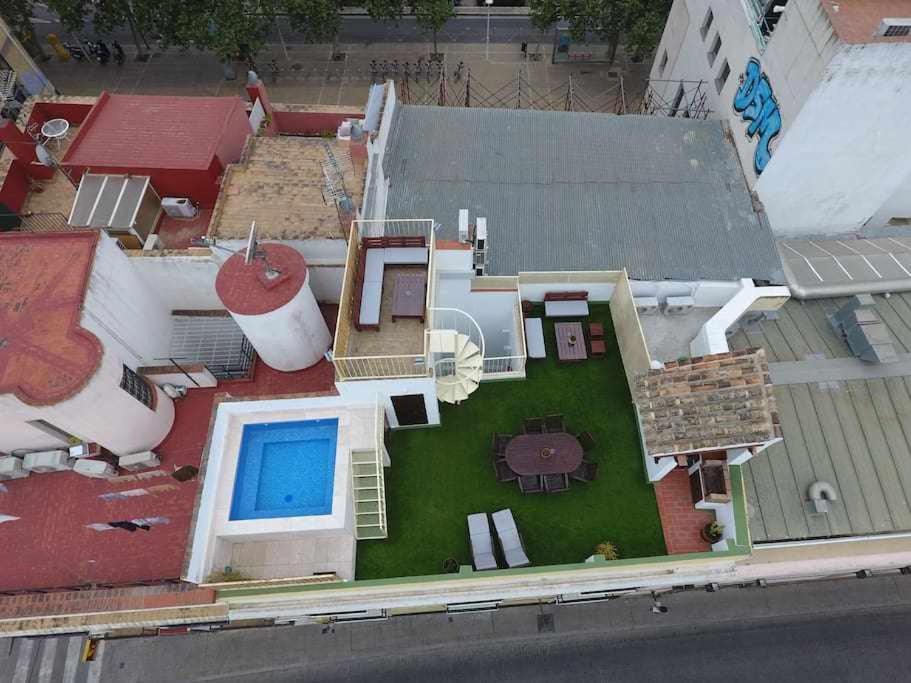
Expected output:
(251, 289)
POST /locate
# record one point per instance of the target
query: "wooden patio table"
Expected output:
(565, 350)
(408, 293)
(553, 453)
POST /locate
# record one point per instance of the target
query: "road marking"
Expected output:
(94, 671)
(48, 653)
(73, 655)
(24, 661)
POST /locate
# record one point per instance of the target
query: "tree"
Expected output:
(385, 10)
(432, 15)
(544, 14)
(107, 15)
(317, 20)
(18, 16)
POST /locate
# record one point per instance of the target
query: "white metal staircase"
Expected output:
(369, 494)
(458, 372)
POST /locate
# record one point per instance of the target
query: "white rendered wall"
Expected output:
(292, 337)
(182, 282)
(494, 311)
(597, 291)
(847, 154)
(897, 206)
(354, 391)
(794, 59)
(120, 303)
(101, 412)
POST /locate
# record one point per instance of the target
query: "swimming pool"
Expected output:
(285, 469)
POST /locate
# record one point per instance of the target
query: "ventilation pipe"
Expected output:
(821, 494)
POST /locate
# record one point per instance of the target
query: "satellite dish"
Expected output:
(44, 156)
(251, 245)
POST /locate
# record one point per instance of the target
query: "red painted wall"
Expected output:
(234, 137)
(311, 123)
(15, 187)
(72, 112)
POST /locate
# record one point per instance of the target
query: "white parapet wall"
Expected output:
(712, 338)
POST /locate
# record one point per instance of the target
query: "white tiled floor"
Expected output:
(296, 557)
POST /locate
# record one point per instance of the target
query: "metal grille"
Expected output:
(136, 386)
(214, 340)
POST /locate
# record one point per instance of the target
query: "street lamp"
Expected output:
(487, 42)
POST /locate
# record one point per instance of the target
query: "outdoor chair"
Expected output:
(534, 425)
(504, 472)
(586, 472)
(599, 350)
(587, 441)
(556, 483)
(498, 445)
(509, 538)
(481, 542)
(554, 423)
(596, 330)
(531, 484)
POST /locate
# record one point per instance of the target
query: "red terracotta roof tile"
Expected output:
(248, 289)
(45, 356)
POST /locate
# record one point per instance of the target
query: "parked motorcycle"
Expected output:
(119, 55)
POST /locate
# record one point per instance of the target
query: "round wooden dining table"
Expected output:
(551, 453)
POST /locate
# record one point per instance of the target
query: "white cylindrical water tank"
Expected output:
(271, 301)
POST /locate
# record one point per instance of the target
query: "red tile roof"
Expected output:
(45, 356)
(857, 21)
(151, 131)
(248, 290)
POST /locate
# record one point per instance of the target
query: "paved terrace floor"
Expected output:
(50, 544)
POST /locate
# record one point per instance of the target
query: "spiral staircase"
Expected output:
(458, 364)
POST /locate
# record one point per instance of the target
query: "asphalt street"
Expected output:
(837, 630)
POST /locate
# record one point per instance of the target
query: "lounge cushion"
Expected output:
(565, 309)
(534, 338)
(481, 542)
(404, 256)
(510, 541)
(373, 269)
(371, 297)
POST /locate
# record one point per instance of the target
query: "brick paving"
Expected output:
(680, 521)
(50, 546)
(103, 600)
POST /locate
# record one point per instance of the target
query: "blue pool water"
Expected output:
(285, 469)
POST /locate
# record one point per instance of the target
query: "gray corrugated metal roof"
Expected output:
(664, 198)
(852, 432)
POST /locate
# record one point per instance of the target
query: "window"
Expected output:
(765, 15)
(663, 64)
(137, 387)
(706, 23)
(678, 99)
(894, 28)
(716, 48)
(722, 76)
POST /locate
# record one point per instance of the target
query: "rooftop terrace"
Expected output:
(282, 185)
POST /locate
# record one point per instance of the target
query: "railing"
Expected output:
(380, 438)
(405, 227)
(379, 367)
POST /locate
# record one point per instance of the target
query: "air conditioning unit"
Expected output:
(11, 468)
(678, 305)
(463, 225)
(85, 450)
(139, 461)
(646, 305)
(96, 469)
(47, 461)
(178, 207)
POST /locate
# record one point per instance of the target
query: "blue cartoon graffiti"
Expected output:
(756, 103)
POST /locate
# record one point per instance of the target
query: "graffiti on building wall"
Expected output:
(756, 103)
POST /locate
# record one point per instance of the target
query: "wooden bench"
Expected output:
(566, 304)
(376, 253)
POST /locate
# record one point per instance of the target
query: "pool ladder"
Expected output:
(369, 494)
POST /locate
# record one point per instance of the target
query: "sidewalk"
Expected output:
(309, 75)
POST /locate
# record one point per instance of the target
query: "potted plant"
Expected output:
(607, 550)
(572, 340)
(450, 565)
(712, 532)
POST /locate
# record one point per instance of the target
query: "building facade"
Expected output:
(816, 96)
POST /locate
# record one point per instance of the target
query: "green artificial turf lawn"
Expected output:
(440, 475)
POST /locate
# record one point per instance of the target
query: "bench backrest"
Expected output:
(566, 296)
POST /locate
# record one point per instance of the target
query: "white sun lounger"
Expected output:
(481, 542)
(510, 541)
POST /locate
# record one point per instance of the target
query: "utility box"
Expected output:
(139, 461)
(11, 468)
(95, 469)
(47, 461)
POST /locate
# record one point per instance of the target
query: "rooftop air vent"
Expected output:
(859, 325)
(894, 28)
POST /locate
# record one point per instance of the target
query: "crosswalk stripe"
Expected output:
(73, 654)
(24, 661)
(48, 653)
